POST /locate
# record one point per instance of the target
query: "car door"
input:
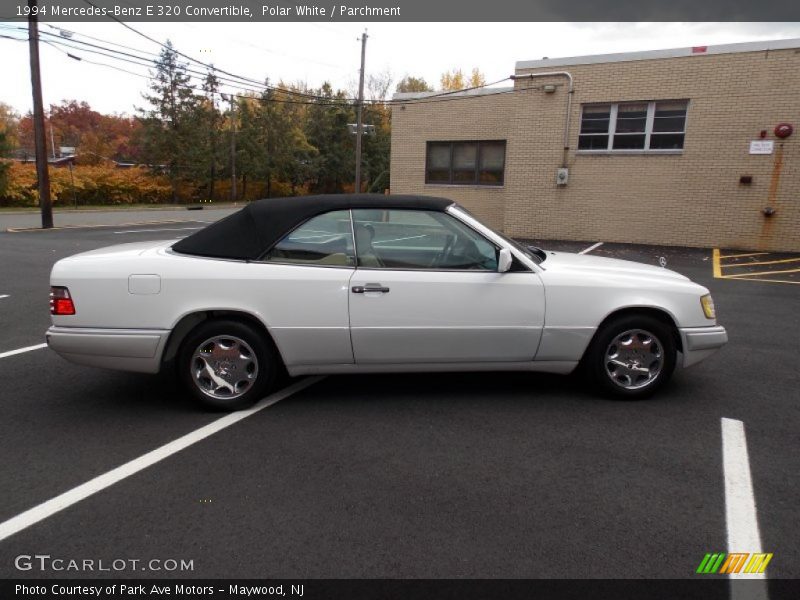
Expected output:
(426, 290)
(305, 291)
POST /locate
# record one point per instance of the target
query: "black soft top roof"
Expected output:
(248, 233)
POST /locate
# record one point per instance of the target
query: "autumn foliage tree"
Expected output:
(455, 80)
(96, 136)
(413, 84)
(290, 139)
(9, 128)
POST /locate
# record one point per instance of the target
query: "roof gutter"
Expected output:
(570, 91)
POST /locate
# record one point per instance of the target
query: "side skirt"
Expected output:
(545, 366)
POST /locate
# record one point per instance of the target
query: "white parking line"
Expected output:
(76, 494)
(740, 505)
(590, 248)
(21, 350)
(165, 229)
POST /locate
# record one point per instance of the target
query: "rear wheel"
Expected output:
(632, 356)
(226, 365)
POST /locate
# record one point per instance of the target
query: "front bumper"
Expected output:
(136, 350)
(701, 342)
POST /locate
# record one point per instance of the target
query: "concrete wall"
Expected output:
(693, 198)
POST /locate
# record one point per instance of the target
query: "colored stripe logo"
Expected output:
(734, 562)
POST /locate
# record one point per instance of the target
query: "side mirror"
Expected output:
(504, 260)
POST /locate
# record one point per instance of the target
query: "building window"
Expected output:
(633, 126)
(466, 163)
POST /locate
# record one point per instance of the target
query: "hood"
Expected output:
(565, 261)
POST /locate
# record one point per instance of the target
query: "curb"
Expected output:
(134, 224)
(72, 211)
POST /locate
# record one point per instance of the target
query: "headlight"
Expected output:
(708, 306)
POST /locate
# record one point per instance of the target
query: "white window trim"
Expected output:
(648, 130)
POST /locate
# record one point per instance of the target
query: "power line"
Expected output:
(179, 53)
(96, 39)
(322, 100)
(208, 66)
(243, 42)
(138, 61)
(150, 62)
(263, 86)
(311, 99)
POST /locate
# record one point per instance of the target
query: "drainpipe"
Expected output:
(570, 91)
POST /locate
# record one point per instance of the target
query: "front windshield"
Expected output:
(535, 254)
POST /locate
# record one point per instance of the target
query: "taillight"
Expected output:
(61, 302)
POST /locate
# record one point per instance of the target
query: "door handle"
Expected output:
(370, 287)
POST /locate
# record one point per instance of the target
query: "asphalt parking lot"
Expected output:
(437, 476)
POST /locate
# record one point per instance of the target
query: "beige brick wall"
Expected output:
(693, 198)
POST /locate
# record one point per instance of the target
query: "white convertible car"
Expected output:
(366, 284)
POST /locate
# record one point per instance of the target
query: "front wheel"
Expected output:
(632, 356)
(226, 365)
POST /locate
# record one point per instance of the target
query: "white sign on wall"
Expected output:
(761, 147)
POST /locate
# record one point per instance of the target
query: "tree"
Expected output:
(9, 122)
(9, 127)
(455, 80)
(298, 168)
(210, 122)
(95, 136)
(5, 165)
(377, 145)
(477, 79)
(326, 130)
(248, 142)
(377, 85)
(413, 84)
(452, 80)
(283, 140)
(170, 124)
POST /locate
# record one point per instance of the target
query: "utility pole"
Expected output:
(359, 111)
(42, 174)
(232, 98)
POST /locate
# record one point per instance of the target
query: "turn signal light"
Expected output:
(708, 307)
(61, 302)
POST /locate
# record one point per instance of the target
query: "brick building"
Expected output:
(659, 148)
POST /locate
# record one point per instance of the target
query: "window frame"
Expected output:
(445, 213)
(476, 182)
(612, 128)
(264, 260)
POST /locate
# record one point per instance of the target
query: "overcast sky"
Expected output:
(318, 52)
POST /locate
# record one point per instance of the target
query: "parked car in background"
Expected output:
(368, 284)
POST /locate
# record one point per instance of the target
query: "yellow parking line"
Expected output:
(743, 255)
(740, 278)
(765, 262)
(744, 275)
(715, 261)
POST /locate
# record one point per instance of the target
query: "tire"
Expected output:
(631, 357)
(226, 365)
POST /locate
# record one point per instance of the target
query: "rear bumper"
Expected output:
(701, 342)
(136, 350)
